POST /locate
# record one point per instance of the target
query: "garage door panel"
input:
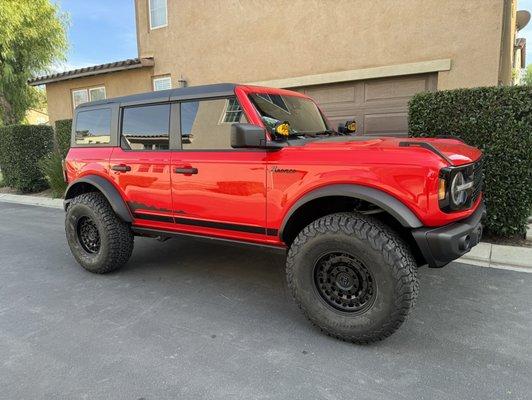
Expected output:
(386, 123)
(334, 94)
(400, 89)
(380, 106)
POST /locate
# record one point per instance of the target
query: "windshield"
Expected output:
(302, 114)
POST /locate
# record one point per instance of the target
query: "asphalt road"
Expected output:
(199, 320)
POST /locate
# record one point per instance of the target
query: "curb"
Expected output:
(31, 200)
(484, 254)
(499, 256)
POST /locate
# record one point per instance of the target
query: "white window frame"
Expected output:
(95, 88)
(149, 16)
(162, 78)
(76, 91)
(88, 92)
(226, 112)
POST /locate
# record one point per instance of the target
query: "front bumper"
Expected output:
(439, 246)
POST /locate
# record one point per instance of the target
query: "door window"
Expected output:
(146, 127)
(206, 124)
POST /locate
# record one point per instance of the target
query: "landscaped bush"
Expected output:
(63, 129)
(51, 165)
(498, 120)
(21, 149)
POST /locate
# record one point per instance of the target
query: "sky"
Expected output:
(104, 31)
(100, 31)
(527, 31)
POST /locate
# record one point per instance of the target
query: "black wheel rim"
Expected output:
(88, 235)
(344, 282)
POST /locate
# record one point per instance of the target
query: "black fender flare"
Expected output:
(107, 189)
(387, 202)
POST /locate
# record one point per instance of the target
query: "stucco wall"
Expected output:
(254, 40)
(121, 83)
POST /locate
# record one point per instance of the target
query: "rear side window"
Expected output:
(93, 127)
(146, 127)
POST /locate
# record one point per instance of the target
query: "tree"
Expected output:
(527, 79)
(32, 37)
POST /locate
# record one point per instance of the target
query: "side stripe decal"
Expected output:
(209, 224)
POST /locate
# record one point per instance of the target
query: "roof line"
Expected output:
(131, 63)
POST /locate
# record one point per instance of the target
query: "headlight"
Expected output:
(459, 189)
(455, 186)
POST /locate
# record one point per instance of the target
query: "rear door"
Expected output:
(217, 190)
(141, 165)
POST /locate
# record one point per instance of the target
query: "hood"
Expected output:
(452, 151)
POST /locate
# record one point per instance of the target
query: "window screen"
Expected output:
(162, 83)
(204, 123)
(146, 127)
(93, 126)
(158, 13)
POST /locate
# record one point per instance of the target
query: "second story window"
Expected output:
(84, 95)
(158, 14)
(162, 83)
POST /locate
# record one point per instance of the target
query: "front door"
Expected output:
(217, 190)
(141, 165)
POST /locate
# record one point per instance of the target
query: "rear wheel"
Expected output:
(352, 276)
(99, 240)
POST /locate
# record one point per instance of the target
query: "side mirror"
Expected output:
(247, 136)
(348, 128)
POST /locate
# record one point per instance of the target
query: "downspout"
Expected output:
(505, 31)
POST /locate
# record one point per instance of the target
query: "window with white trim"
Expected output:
(233, 111)
(80, 96)
(97, 93)
(158, 14)
(162, 83)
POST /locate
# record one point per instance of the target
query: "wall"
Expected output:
(210, 41)
(120, 83)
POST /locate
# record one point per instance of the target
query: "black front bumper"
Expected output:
(439, 246)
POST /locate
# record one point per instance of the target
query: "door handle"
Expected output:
(121, 168)
(186, 171)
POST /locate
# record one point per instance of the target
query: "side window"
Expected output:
(93, 126)
(206, 124)
(146, 127)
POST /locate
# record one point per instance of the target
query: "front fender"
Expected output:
(396, 208)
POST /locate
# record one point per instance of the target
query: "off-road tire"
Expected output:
(115, 237)
(382, 252)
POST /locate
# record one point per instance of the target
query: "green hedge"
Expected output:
(51, 165)
(498, 120)
(21, 149)
(63, 130)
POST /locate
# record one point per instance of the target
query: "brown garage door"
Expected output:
(380, 106)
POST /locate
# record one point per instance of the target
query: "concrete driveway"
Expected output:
(197, 320)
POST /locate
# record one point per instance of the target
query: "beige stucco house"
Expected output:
(360, 59)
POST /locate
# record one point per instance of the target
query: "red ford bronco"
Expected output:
(357, 215)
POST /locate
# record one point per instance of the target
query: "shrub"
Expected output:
(52, 165)
(63, 129)
(498, 120)
(52, 168)
(21, 149)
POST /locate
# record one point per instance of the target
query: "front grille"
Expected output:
(478, 180)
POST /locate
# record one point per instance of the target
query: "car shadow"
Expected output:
(451, 305)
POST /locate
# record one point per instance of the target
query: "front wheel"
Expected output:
(99, 240)
(352, 276)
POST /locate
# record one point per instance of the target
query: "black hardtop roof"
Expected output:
(186, 93)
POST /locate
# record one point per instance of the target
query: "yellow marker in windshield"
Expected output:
(283, 129)
(351, 126)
